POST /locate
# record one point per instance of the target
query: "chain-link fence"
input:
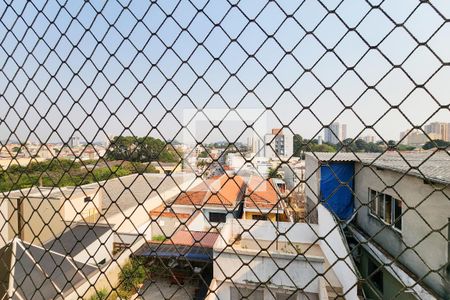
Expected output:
(199, 149)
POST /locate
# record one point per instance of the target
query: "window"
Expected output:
(380, 206)
(375, 275)
(397, 214)
(386, 208)
(217, 217)
(373, 202)
(259, 217)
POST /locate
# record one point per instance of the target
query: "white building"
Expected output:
(235, 161)
(74, 142)
(297, 263)
(335, 133)
(278, 144)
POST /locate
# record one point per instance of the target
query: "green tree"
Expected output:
(436, 144)
(298, 140)
(132, 275)
(16, 149)
(143, 149)
(203, 154)
(273, 173)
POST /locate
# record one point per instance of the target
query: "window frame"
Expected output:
(381, 215)
(394, 220)
(216, 214)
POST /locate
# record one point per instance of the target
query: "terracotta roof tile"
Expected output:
(164, 211)
(222, 191)
(193, 238)
(260, 193)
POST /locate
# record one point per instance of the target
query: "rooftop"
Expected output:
(53, 193)
(260, 193)
(166, 212)
(223, 191)
(430, 165)
(42, 274)
(130, 191)
(76, 239)
(193, 238)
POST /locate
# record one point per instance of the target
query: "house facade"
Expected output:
(399, 226)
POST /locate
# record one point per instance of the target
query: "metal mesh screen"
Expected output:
(224, 149)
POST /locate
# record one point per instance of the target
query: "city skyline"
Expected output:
(144, 88)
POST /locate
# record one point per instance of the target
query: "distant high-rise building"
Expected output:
(368, 139)
(417, 138)
(438, 129)
(74, 141)
(335, 133)
(256, 144)
(276, 144)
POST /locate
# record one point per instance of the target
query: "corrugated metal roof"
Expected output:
(430, 165)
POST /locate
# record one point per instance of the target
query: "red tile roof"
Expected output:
(260, 193)
(226, 191)
(223, 191)
(164, 211)
(193, 238)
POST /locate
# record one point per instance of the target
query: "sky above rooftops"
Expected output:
(142, 68)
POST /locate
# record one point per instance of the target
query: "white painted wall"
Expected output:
(335, 249)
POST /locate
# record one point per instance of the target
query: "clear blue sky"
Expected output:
(111, 65)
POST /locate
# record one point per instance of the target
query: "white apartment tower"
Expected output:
(278, 143)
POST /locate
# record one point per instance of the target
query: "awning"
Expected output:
(165, 251)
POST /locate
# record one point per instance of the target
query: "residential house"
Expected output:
(263, 200)
(263, 260)
(209, 203)
(398, 209)
(39, 214)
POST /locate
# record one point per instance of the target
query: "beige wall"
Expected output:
(45, 219)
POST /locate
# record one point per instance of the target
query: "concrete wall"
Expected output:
(224, 292)
(4, 223)
(335, 249)
(430, 248)
(299, 272)
(107, 277)
(46, 218)
(312, 177)
(75, 209)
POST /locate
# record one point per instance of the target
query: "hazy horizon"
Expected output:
(139, 69)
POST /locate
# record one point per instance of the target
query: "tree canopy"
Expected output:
(436, 144)
(141, 149)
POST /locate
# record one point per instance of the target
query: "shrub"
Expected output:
(100, 295)
(131, 276)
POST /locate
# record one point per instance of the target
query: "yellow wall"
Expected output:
(271, 216)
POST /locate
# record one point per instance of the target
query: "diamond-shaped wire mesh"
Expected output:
(198, 149)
